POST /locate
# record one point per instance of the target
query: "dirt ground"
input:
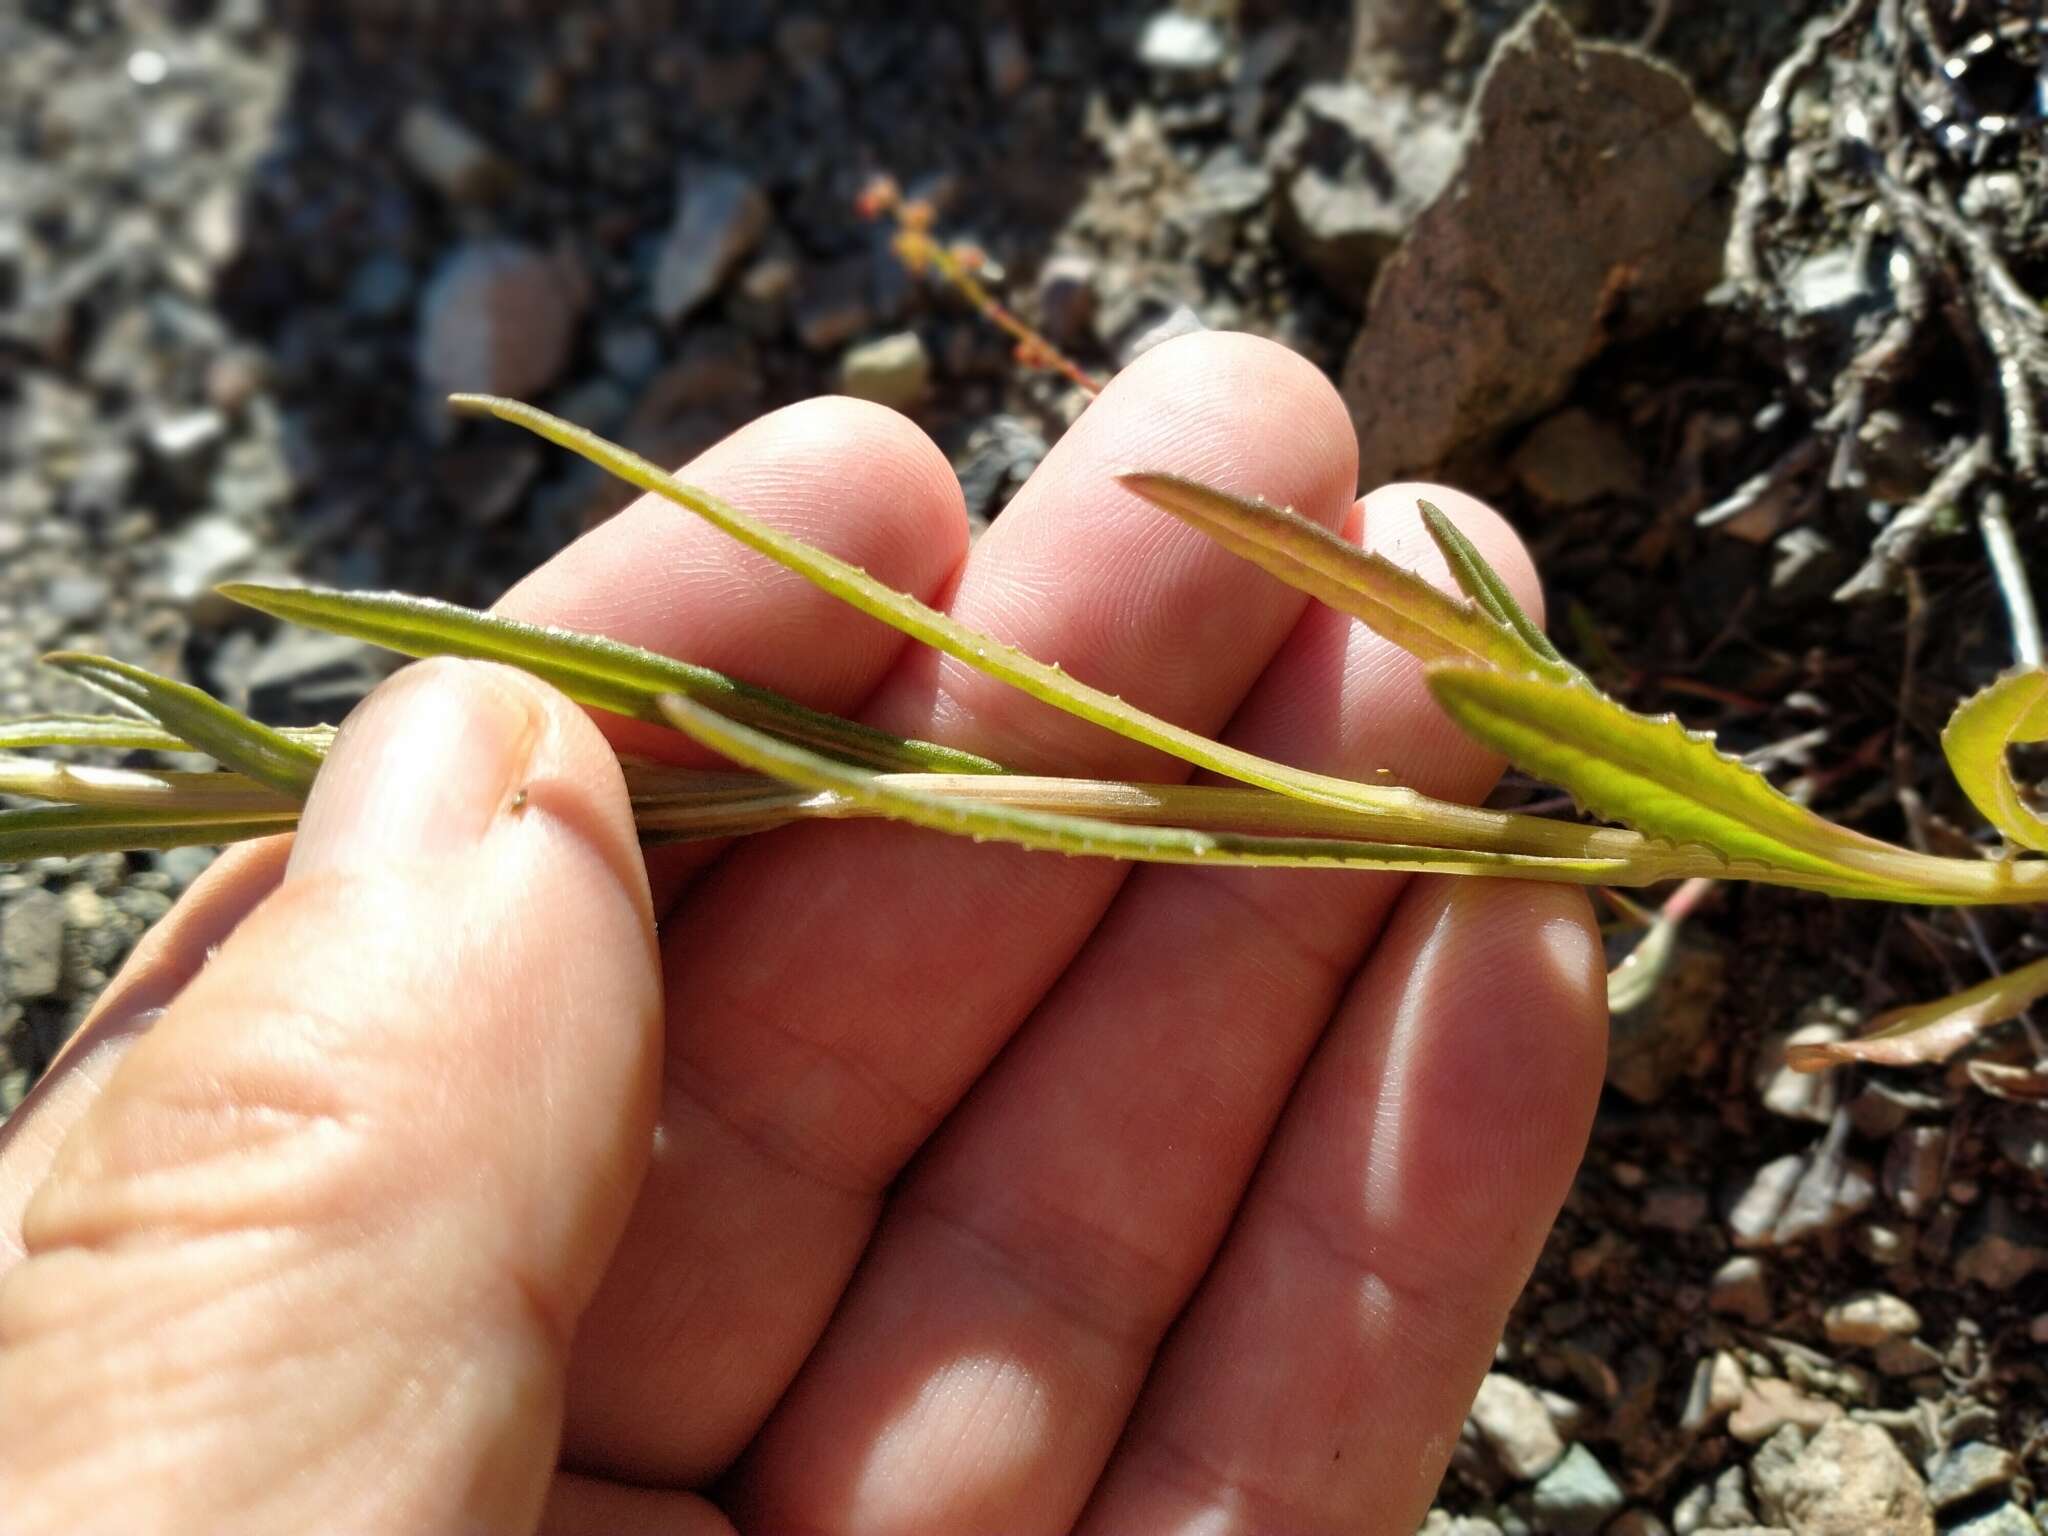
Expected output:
(1756, 471)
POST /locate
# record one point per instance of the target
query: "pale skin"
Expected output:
(457, 1169)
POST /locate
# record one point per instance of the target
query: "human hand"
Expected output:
(991, 1189)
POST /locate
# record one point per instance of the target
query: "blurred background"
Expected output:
(1733, 307)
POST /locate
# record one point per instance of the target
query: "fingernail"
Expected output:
(420, 770)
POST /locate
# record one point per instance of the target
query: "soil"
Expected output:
(215, 309)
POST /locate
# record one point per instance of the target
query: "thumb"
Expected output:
(313, 1258)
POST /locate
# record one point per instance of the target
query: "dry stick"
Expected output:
(1763, 135)
(2003, 551)
(1909, 527)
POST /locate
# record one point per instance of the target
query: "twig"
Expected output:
(1764, 133)
(2004, 553)
(1909, 527)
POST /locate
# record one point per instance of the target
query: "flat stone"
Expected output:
(1851, 1480)
(1590, 205)
(1515, 1426)
(1870, 1319)
(1577, 1496)
(720, 216)
(1969, 1470)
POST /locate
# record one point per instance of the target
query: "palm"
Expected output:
(1000, 1189)
(993, 1190)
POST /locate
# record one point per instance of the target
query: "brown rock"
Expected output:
(1590, 206)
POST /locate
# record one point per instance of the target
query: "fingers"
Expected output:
(416, 1086)
(990, 1350)
(167, 957)
(858, 480)
(853, 478)
(837, 988)
(1318, 1379)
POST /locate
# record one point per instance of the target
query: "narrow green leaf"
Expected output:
(854, 586)
(600, 673)
(900, 798)
(66, 831)
(1395, 602)
(1482, 583)
(2013, 709)
(221, 794)
(267, 756)
(1930, 1032)
(116, 733)
(1663, 780)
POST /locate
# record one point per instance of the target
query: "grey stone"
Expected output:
(1577, 1496)
(999, 457)
(1589, 206)
(1356, 167)
(721, 215)
(1970, 1470)
(1516, 1428)
(1174, 42)
(206, 551)
(76, 597)
(892, 370)
(497, 318)
(31, 946)
(1851, 1480)
(1870, 1319)
(448, 155)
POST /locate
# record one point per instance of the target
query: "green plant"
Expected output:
(1688, 812)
